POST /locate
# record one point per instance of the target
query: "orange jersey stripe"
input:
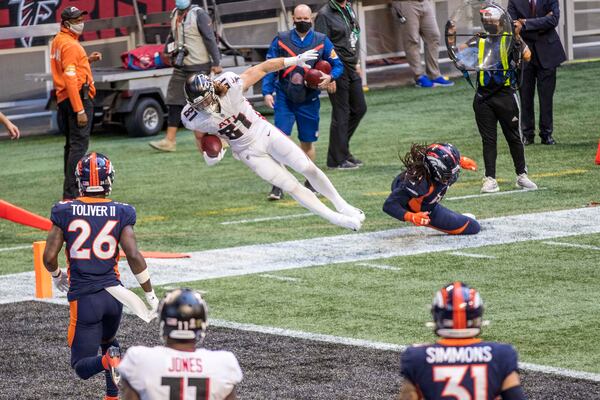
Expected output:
(415, 203)
(72, 322)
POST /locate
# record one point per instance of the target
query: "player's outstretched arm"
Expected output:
(127, 392)
(408, 391)
(54, 243)
(257, 72)
(138, 265)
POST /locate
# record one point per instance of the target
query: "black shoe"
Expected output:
(527, 140)
(355, 160)
(346, 165)
(310, 187)
(548, 139)
(276, 194)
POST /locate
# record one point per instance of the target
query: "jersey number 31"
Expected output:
(454, 375)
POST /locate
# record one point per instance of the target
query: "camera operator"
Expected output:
(193, 48)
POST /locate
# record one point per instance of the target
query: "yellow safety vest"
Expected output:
(503, 58)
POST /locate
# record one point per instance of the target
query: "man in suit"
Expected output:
(538, 20)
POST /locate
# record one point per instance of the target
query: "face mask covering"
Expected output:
(76, 28)
(491, 28)
(182, 4)
(303, 26)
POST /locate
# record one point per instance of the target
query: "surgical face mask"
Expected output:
(491, 28)
(182, 4)
(303, 26)
(76, 28)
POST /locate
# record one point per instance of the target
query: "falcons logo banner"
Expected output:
(33, 12)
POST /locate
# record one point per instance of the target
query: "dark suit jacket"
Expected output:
(539, 33)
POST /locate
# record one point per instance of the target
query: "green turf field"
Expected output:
(539, 297)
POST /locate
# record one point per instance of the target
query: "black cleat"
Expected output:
(548, 139)
(310, 187)
(275, 194)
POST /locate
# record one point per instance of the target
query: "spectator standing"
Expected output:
(74, 85)
(338, 22)
(193, 48)
(294, 101)
(537, 20)
(417, 20)
(11, 128)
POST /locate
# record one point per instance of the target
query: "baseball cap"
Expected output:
(71, 13)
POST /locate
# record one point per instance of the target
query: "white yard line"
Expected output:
(279, 278)
(472, 255)
(575, 245)
(246, 221)
(383, 346)
(473, 196)
(16, 248)
(379, 266)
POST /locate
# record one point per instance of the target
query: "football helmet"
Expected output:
(95, 174)
(183, 315)
(443, 163)
(457, 311)
(200, 93)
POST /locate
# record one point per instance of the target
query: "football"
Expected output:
(312, 77)
(211, 144)
(323, 66)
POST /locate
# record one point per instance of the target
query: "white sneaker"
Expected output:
(523, 182)
(163, 145)
(489, 185)
(353, 212)
(348, 222)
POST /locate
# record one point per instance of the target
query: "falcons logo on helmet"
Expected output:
(33, 12)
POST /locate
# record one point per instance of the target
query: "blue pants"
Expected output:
(93, 325)
(451, 222)
(306, 115)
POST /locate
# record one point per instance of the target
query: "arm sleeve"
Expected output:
(208, 36)
(321, 24)
(268, 85)
(544, 23)
(396, 203)
(337, 66)
(69, 64)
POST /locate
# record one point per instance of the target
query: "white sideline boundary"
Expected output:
(16, 248)
(379, 266)
(471, 255)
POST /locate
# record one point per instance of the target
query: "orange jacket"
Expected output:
(70, 68)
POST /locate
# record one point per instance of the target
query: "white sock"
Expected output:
(309, 200)
(323, 185)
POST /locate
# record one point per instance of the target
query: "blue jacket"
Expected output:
(270, 82)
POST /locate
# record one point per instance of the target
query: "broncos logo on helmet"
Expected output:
(95, 174)
(457, 311)
(183, 314)
(200, 93)
(443, 162)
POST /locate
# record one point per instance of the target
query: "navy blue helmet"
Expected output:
(457, 311)
(443, 162)
(183, 315)
(200, 93)
(95, 174)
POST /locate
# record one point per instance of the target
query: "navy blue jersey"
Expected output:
(92, 229)
(459, 369)
(413, 196)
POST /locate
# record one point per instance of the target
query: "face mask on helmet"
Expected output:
(443, 163)
(457, 311)
(200, 93)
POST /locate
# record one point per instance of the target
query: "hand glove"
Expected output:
(210, 161)
(60, 280)
(467, 163)
(301, 59)
(418, 218)
(152, 300)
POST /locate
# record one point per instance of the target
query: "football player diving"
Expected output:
(179, 370)
(93, 228)
(460, 365)
(218, 107)
(417, 191)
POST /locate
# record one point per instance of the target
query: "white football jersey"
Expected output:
(158, 373)
(237, 122)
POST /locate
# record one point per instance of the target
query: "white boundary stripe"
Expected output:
(279, 278)
(473, 196)
(575, 245)
(379, 266)
(246, 221)
(16, 248)
(382, 346)
(472, 255)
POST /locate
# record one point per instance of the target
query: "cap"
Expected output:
(71, 13)
(492, 13)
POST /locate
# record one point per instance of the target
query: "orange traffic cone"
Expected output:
(598, 154)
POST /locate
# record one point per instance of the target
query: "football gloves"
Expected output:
(418, 218)
(210, 161)
(467, 163)
(60, 280)
(152, 300)
(301, 59)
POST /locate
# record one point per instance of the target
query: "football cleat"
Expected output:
(275, 194)
(110, 362)
(489, 185)
(348, 222)
(523, 182)
(354, 212)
